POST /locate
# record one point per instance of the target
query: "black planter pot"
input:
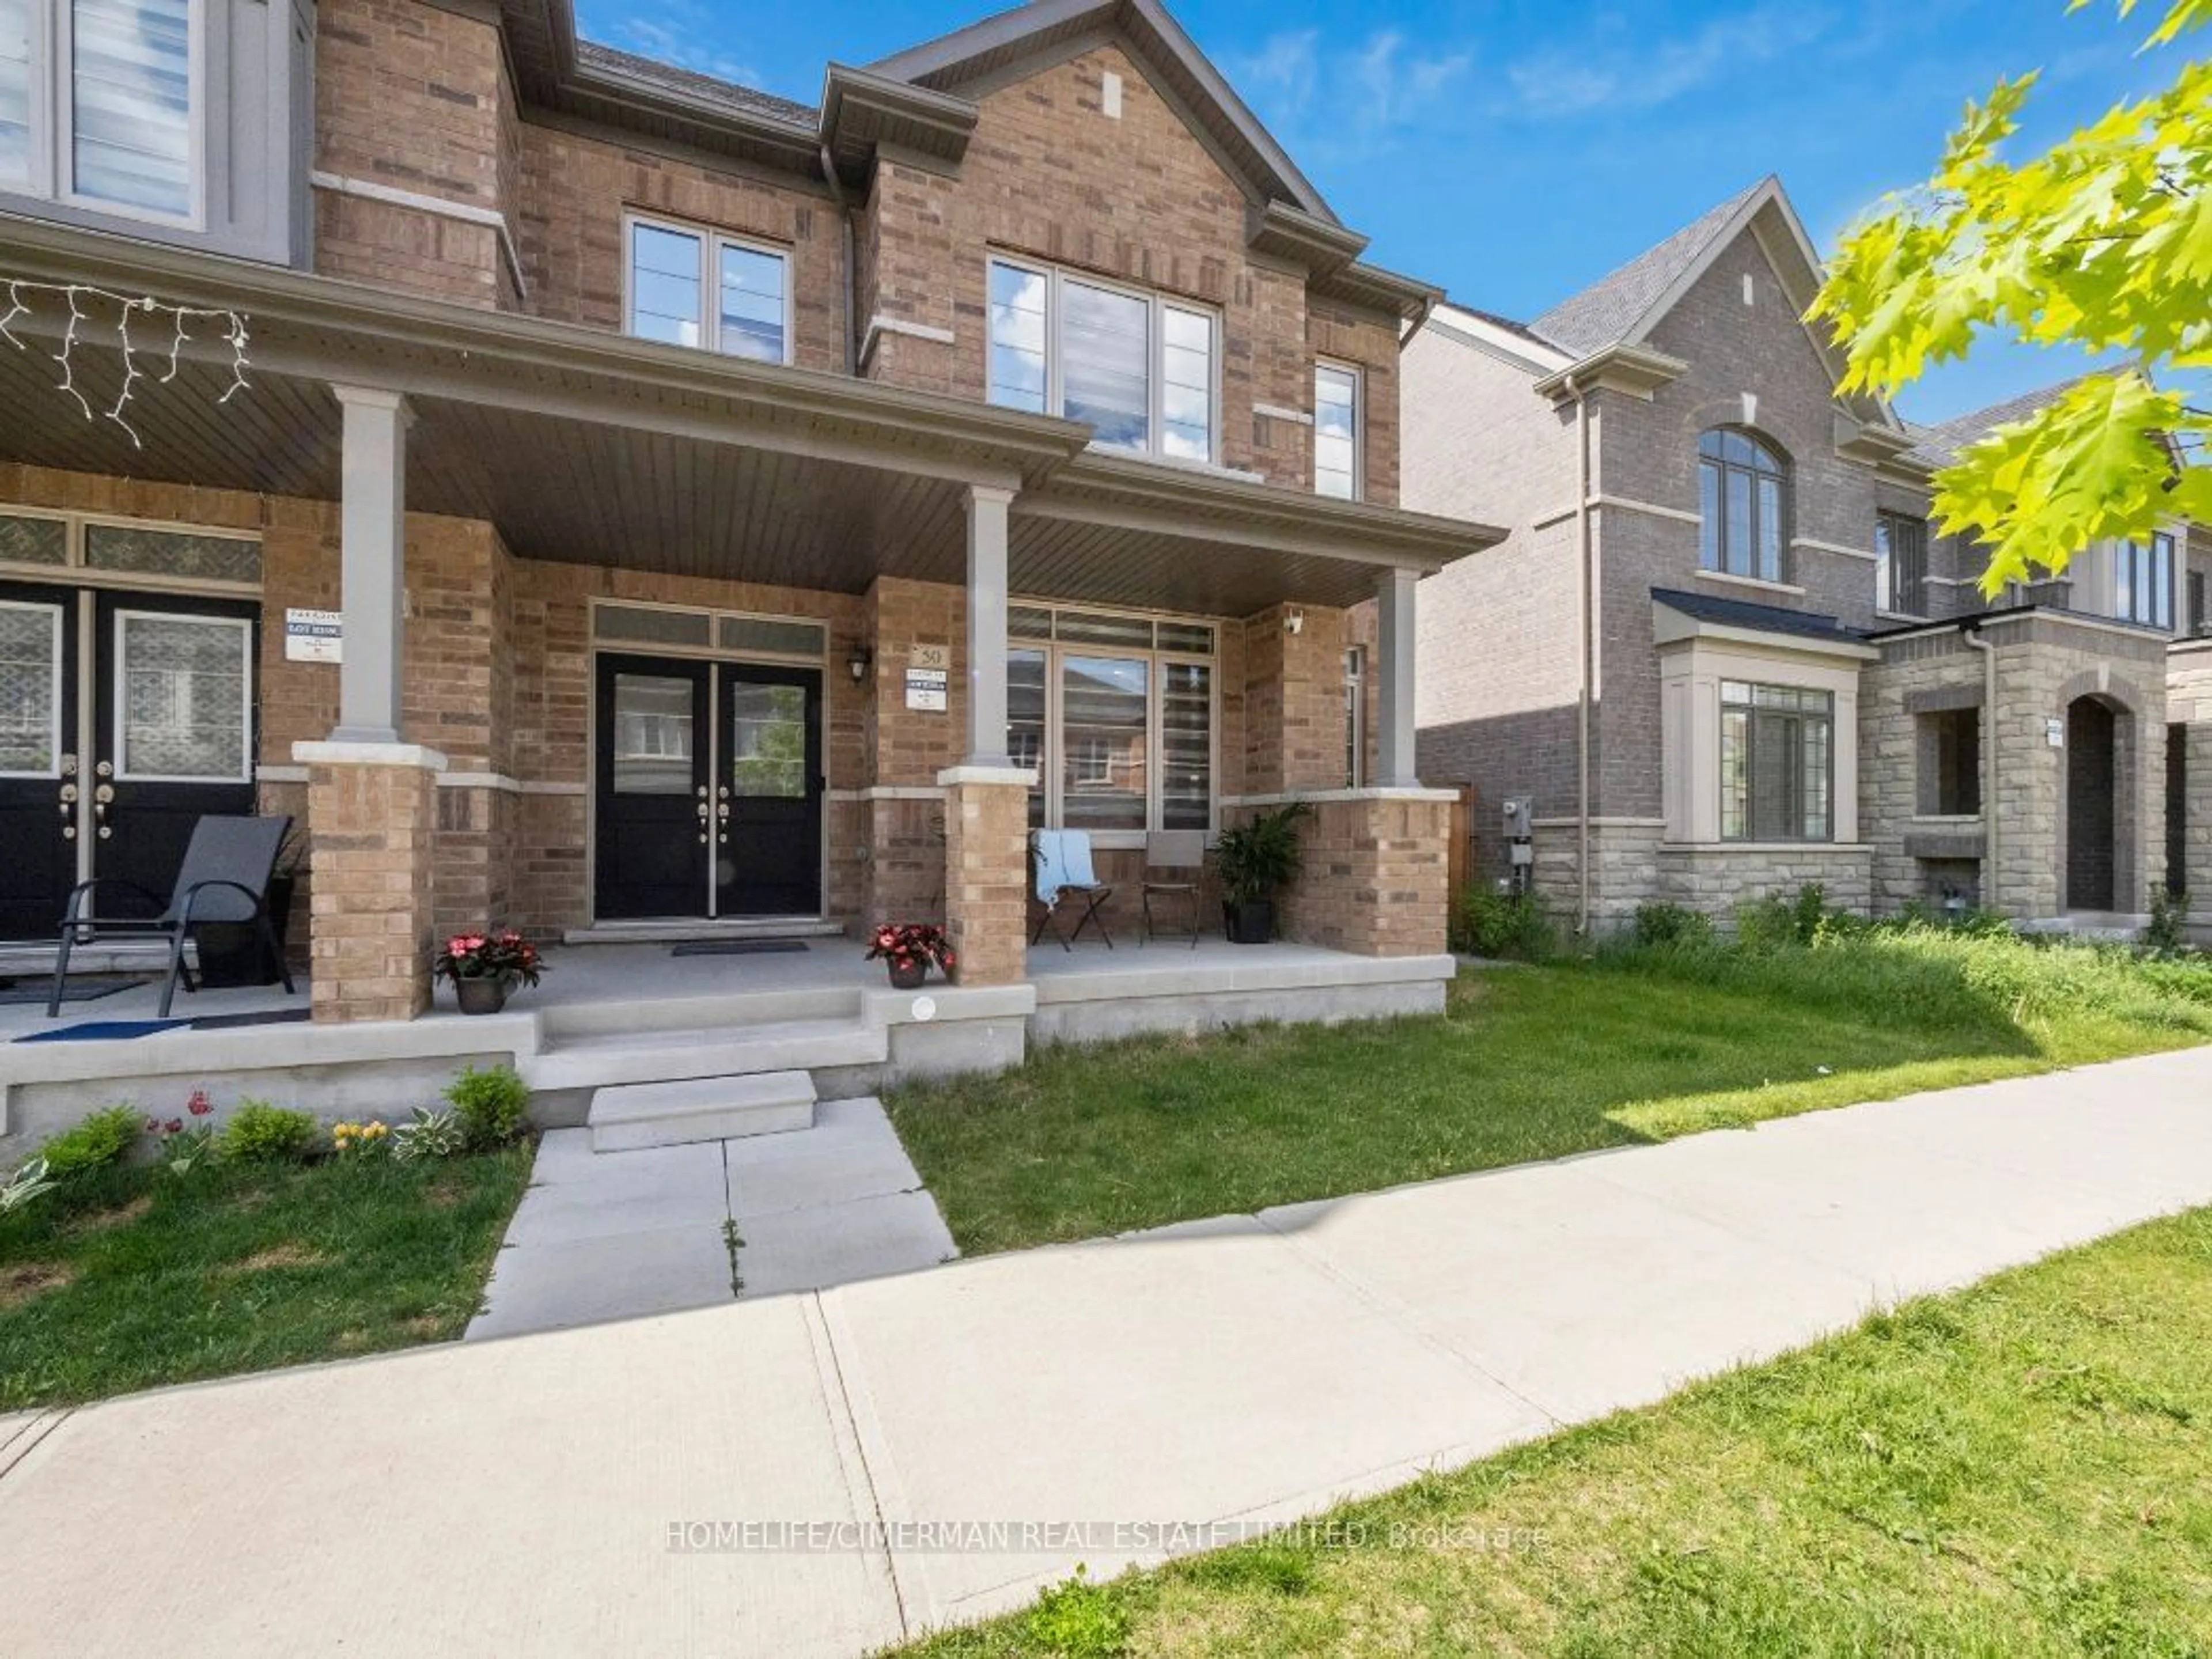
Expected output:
(483, 995)
(1251, 923)
(908, 976)
(232, 953)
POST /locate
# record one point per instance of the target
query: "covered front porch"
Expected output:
(504, 512)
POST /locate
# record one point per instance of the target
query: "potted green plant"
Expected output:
(1255, 861)
(484, 967)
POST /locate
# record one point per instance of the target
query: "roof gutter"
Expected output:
(1586, 651)
(850, 286)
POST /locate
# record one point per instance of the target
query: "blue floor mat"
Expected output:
(104, 1031)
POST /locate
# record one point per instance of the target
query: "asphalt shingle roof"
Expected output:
(1766, 618)
(1939, 445)
(1603, 312)
(689, 84)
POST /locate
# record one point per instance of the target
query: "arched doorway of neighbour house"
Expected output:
(2092, 795)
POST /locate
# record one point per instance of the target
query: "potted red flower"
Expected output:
(912, 948)
(484, 967)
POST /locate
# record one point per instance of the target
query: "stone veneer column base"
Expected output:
(1376, 867)
(987, 873)
(372, 818)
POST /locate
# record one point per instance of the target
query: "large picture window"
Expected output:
(1137, 367)
(1743, 507)
(1777, 755)
(2143, 581)
(100, 103)
(1115, 714)
(695, 288)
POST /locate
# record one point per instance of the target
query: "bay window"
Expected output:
(100, 103)
(1137, 367)
(697, 288)
(1115, 714)
(1776, 753)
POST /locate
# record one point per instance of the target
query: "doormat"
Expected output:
(230, 1022)
(738, 947)
(21, 995)
(104, 1031)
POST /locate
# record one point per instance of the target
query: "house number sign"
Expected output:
(928, 672)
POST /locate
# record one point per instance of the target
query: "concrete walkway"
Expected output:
(605, 1236)
(585, 1491)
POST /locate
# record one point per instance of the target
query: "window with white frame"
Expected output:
(1116, 714)
(100, 103)
(1336, 432)
(2143, 588)
(1138, 368)
(691, 287)
(1355, 717)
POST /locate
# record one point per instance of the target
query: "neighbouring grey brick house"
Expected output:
(1721, 652)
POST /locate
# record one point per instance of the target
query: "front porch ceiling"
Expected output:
(586, 447)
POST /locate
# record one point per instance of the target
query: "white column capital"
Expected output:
(378, 399)
(982, 495)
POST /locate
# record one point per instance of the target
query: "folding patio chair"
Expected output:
(1180, 857)
(224, 877)
(1061, 858)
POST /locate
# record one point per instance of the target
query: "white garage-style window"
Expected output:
(101, 103)
(691, 287)
(1116, 714)
(1138, 368)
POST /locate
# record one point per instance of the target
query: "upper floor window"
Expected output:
(99, 102)
(698, 287)
(1137, 367)
(1775, 750)
(1901, 571)
(2143, 589)
(1336, 432)
(1743, 506)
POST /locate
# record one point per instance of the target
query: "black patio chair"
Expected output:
(224, 878)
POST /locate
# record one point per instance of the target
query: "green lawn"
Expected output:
(1528, 1063)
(2022, 1469)
(130, 1277)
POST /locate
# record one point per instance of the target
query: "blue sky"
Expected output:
(1514, 150)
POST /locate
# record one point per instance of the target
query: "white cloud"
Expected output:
(680, 33)
(1320, 96)
(1562, 84)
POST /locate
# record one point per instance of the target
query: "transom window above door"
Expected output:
(1743, 507)
(100, 103)
(1138, 369)
(691, 287)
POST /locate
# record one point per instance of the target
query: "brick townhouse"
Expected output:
(1721, 654)
(653, 500)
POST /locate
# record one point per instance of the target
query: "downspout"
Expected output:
(1973, 635)
(1588, 659)
(852, 277)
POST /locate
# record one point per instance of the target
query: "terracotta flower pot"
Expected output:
(486, 995)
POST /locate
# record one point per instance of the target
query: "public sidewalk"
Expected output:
(585, 1491)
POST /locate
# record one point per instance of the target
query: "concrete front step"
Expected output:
(682, 931)
(636, 1116)
(566, 1024)
(609, 1060)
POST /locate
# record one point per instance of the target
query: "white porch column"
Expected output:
(987, 625)
(372, 525)
(1393, 643)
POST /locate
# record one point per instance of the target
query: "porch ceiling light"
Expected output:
(859, 662)
(1294, 621)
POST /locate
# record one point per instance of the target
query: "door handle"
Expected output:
(68, 810)
(100, 798)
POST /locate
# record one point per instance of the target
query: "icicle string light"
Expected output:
(230, 326)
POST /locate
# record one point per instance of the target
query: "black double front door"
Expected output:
(709, 779)
(124, 717)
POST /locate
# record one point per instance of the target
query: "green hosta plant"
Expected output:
(26, 1183)
(429, 1135)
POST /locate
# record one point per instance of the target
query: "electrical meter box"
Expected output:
(1519, 818)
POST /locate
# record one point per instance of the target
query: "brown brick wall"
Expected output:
(1294, 724)
(987, 882)
(410, 97)
(1373, 877)
(569, 223)
(374, 844)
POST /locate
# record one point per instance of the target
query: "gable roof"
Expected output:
(1938, 446)
(984, 51)
(1619, 306)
